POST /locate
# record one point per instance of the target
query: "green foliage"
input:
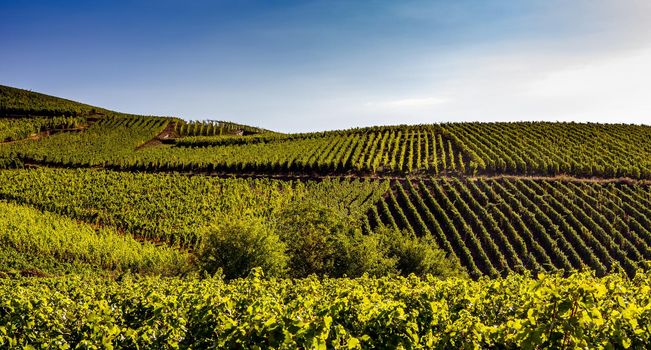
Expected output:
(517, 312)
(15, 101)
(494, 226)
(423, 227)
(324, 241)
(357, 254)
(14, 263)
(491, 226)
(20, 128)
(102, 144)
(417, 255)
(382, 149)
(312, 235)
(173, 207)
(218, 128)
(542, 148)
(237, 246)
(35, 234)
(581, 150)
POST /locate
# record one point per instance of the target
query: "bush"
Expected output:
(359, 254)
(418, 255)
(237, 246)
(311, 238)
(321, 240)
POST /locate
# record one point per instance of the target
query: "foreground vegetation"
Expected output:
(548, 311)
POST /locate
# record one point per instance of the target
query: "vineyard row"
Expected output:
(496, 226)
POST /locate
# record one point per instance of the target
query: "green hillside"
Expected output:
(577, 150)
(444, 180)
(502, 225)
(154, 232)
(19, 102)
(46, 236)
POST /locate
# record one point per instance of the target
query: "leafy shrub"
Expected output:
(357, 254)
(236, 246)
(417, 255)
(324, 241)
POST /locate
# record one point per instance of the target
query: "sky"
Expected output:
(296, 66)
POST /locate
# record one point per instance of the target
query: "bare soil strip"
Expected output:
(169, 133)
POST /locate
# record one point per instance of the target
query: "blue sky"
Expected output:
(315, 65)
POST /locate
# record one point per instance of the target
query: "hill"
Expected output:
(164, 219)
(467, 186)
(19, 102)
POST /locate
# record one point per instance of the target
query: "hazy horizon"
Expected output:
(322, 65)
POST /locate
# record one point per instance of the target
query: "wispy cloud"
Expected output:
(614, 77)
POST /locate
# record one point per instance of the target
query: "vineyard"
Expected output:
(462, 149)
(583, 150)
(104, 142)
(217, 128)
(499, 226)
(45, 235)
(517, 312)
(19, 102)
(126, 231)
(18, 129)
(394, 150)
(492, 226)
(172, 207)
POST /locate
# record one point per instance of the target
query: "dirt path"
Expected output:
(167, 134)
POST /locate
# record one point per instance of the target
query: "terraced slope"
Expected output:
(386, 150)
(17, 129)
(526, 148)
(213, 128)
(538, 149)
(107, 141)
